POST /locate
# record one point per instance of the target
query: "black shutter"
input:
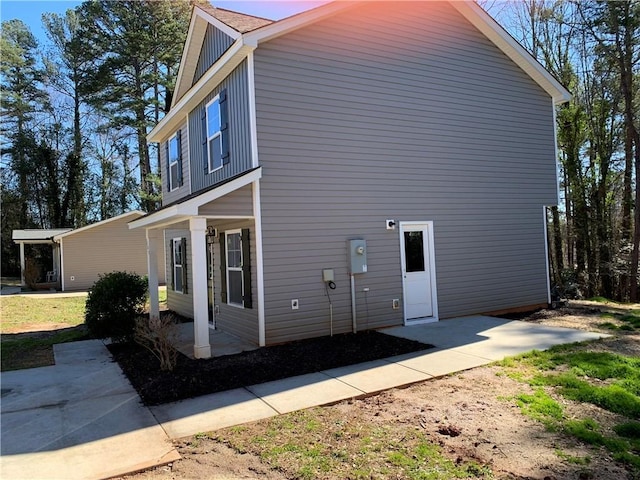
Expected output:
(223, 269)
(179, 141)
(224, 126)
(173, 270)
(205, 150)
(183, 242)
(246, 269)
(166, 151)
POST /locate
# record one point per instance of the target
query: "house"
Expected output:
(356, 166)
(81, 255)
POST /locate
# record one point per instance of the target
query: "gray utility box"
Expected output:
(357, 255)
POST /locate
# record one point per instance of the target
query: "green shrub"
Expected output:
(113, 304)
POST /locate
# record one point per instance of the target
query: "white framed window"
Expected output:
(214, 134)
(235, 283)
(179, 257)
(173, 161)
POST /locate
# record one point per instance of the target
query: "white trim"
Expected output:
(61, 266)
(555, 151)
(257, 214)
(505, 42)
(183, 258)
(217, 134)
(183, 211)
(235, 231)
(200, 19)
(188, 175)
(253, 120)
(546, 252)
(139, 213)
(169, 162)
(220, 70)
(289, 24)
(246, 43)
(432, 272)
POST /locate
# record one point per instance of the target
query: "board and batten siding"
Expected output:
(406, 112)
(239, 132)
(105, 248)
(216, 42)
(181, 303)
(185, 189)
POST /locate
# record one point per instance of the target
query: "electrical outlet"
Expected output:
(294, 304)
(395, 303)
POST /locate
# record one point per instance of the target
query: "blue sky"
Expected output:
(30, 11)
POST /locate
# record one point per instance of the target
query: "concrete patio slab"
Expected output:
(378, 375)
(79, 419)
(303, 391)
(211, 412)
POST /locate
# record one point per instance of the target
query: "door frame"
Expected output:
(431, 259)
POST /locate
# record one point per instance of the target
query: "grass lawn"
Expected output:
(605, 380)
(31, 325)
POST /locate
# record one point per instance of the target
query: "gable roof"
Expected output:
(188, 97)
(137, 213)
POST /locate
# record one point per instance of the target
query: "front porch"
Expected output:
(213, 246)
(222, 343)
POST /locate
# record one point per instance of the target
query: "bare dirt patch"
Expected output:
(470, 416)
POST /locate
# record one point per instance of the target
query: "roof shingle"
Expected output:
(240, 22)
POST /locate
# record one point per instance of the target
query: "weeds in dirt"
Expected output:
(609, 381)
(319, 443)
(576, 460)
(630, 320)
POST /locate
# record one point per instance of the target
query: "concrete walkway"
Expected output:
(79, 419)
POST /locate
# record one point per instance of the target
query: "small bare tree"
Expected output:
(158, 334)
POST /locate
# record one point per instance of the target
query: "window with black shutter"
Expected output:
(216, 133)
(235, 265)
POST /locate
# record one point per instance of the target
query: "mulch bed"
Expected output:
(192, 378)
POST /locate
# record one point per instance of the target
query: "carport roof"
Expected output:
(37, 234)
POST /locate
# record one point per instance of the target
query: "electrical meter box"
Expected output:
(357, 256)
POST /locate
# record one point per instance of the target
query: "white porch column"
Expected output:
(201, 347)
(152, 272)
(22, 264)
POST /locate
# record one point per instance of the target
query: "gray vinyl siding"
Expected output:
(239, 132)
(185, 189)
(237, 203)
(414, 116)
(242, 322)
(181, 303)
(215, 44)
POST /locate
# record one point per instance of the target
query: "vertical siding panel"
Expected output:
(239, 131)
(400, 111)
(216, 42)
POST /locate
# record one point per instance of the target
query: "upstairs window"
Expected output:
(215, 133)
(174, 162)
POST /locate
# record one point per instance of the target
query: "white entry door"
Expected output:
(416, 248)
